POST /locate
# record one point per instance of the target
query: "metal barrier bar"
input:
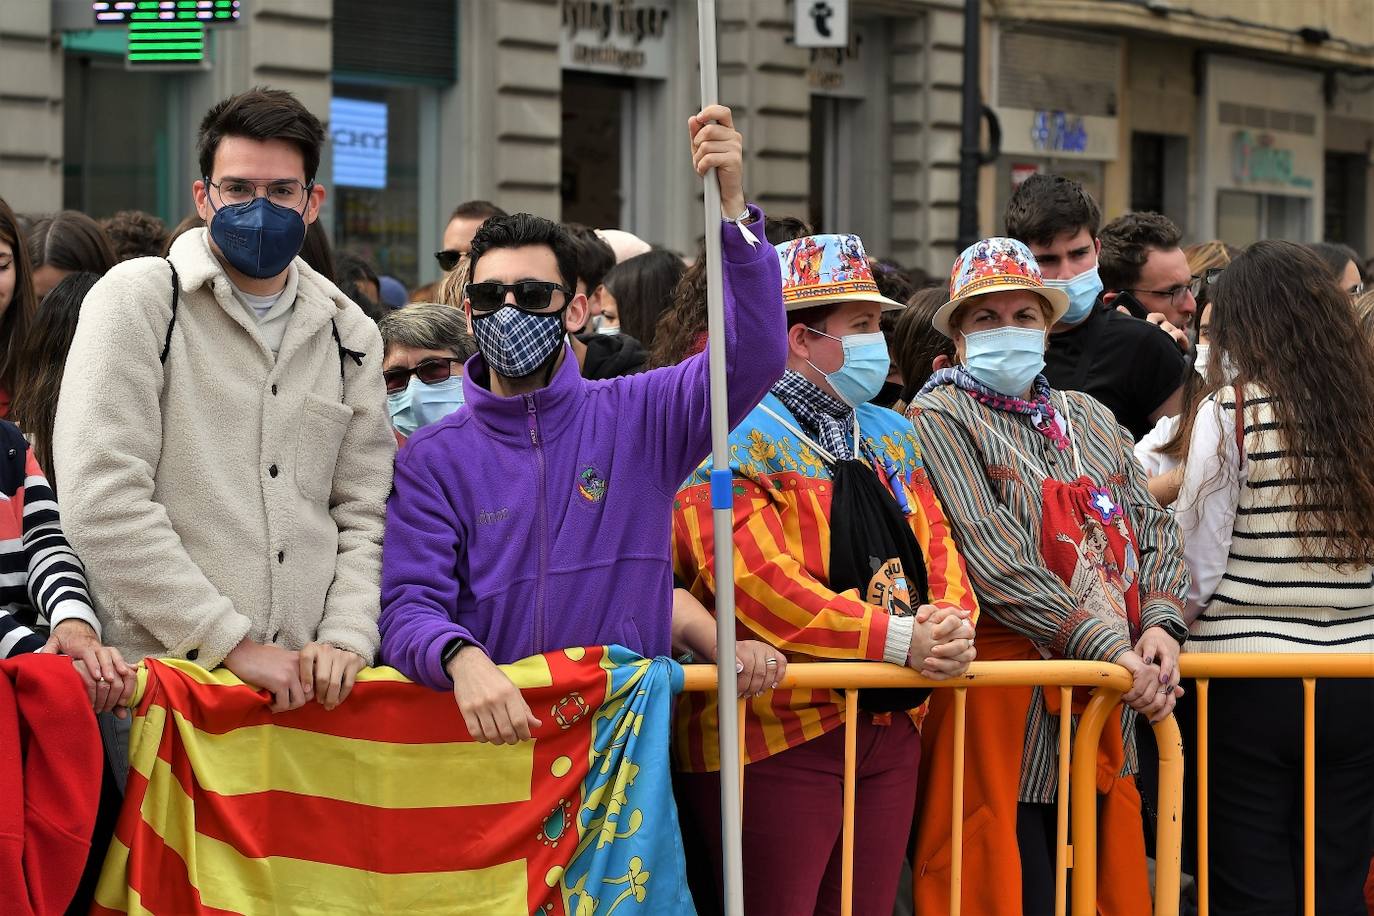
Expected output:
(1109, 682)
(1309, 796)
(1307, 667)
(851, 755)
(1204, 889)
(1083, 797)
(1169, 808)
(1062, 850)
(956, 827)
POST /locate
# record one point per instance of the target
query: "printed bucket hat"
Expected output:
(993, 266)
(824, 269)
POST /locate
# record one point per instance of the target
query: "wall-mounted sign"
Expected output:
(1057, 134)
(1257, 159)
(1020, 171)
(821, 23)
(838, 71)
(358, 135)
(624, 37)
(165, 45)
(118, 12)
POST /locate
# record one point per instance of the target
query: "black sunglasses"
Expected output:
(448, 258)
(530, 295)
(431, 371)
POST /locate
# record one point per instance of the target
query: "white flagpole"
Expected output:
(722, 502)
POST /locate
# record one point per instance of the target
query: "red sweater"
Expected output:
(50, 767)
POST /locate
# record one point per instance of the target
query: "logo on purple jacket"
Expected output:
(591, 485)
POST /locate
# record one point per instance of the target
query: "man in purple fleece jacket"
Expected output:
(537, 517)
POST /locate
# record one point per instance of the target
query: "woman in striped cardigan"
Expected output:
(1070, 557)
(1277, 511)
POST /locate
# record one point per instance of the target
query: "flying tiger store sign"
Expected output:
(622, 37)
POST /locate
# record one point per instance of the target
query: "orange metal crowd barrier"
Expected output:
(1077, 763)
(1207, 667)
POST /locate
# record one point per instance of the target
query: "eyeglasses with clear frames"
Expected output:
(287, 193)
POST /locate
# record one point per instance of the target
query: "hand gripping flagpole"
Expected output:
(722, 503)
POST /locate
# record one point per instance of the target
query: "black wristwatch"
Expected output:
(451, 650)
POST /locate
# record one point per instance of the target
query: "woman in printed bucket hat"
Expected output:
(1070, 557)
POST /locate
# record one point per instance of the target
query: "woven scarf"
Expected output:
(828, 419)
(1039, 408)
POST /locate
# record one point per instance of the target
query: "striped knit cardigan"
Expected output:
(1277, 596)
(995, 512)
(42, 582)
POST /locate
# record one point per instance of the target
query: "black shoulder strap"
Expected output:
(176, 294)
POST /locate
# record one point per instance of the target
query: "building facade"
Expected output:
(1239, 120)
(572, 109)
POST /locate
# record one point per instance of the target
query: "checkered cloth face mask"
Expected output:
(516, 343)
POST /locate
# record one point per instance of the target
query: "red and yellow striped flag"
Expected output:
(386, 805)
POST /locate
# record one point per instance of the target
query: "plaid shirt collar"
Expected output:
(827, 418)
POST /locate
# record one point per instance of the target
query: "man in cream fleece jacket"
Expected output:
(225, 453)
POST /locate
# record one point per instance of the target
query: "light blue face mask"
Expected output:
(420, 404)
(1007, 360)
(1083, 291)
(864, 370)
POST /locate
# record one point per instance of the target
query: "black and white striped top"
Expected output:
(42, 582)
(1257, 588)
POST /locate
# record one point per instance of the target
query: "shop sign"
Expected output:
(1255, 159)
(358, 135)
(1058, 132)
(820, 23)
(838, 71)
(1020, 171)
(624, 37)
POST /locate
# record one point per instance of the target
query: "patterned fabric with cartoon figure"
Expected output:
(783, 534)
(1088, 543)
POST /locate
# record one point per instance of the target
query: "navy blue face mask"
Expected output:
(258, 239)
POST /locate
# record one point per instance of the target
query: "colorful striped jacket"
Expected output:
(42, 583)
(782, 561)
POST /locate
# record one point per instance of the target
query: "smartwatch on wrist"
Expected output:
(451, 650)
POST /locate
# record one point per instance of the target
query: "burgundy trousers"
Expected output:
(793, 818)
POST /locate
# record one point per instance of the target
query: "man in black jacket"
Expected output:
(601, 356)
(1130, 365)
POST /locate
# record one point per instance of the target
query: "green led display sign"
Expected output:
(166, 42)
(121, 12)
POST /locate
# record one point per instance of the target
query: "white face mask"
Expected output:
(1202, 352)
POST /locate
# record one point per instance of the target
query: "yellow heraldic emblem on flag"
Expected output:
(387, 805)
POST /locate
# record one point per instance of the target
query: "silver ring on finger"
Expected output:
(771, 661)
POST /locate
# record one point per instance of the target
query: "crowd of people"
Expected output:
(1093, 443)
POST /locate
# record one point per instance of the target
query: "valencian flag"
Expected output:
(387, 805)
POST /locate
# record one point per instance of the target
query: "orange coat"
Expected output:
(995, 729)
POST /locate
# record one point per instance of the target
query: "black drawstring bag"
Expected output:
(873, 549)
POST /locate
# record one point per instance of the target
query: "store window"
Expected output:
(1159, 175)
(1346, 187)
(1244, 217)
(598, 116)
(117, 150)
(375, 144)
(391, 60)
